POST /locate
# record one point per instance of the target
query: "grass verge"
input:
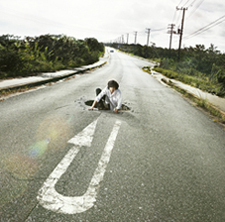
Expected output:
(218, 115)
(8, 92)
(201, 82)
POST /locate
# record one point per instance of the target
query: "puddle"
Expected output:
(124, 107)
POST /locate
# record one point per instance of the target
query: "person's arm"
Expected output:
(101, 94)
(97, 99)
(119, 103)
(93, 105)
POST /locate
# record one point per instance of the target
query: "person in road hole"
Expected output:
(109, 98)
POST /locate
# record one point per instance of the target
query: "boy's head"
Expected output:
(113, 84)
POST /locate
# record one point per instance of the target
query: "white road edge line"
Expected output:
(50, 199)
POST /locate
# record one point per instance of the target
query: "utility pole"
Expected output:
(148, 32)
(127, 37)
(171, 32)
(135, 39)
(181, 30)
(119, 40)
(122, 40)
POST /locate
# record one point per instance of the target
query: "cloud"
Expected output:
(107, 20)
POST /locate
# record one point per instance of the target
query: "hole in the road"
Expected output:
(124, 107)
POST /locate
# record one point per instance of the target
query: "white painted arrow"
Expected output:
(50, 199)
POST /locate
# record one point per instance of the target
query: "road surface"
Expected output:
(164, 160)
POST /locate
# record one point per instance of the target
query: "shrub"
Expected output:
(45, 53)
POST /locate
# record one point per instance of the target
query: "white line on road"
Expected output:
(50, 199)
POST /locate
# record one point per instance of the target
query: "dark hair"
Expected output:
(113, 83)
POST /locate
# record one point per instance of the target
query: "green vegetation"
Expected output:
(201, 82)
(199, 67)
(204, 104)
(31, 56)
(219, 116)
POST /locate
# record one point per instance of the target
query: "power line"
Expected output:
(207, 27)
(192, 3)
(178, 20)
(186, 3)
(205, 30)
(180, 2)
(174, 16)
(196, 9)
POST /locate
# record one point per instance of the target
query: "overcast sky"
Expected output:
(107, 20)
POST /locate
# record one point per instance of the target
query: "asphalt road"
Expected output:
(164, 160)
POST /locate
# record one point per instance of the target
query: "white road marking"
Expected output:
(50, 199)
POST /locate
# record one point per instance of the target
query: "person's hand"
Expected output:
(116, 110)
(91, 108)
(93, 105)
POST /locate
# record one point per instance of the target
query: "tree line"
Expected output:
(33, 55)
(199, 62)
